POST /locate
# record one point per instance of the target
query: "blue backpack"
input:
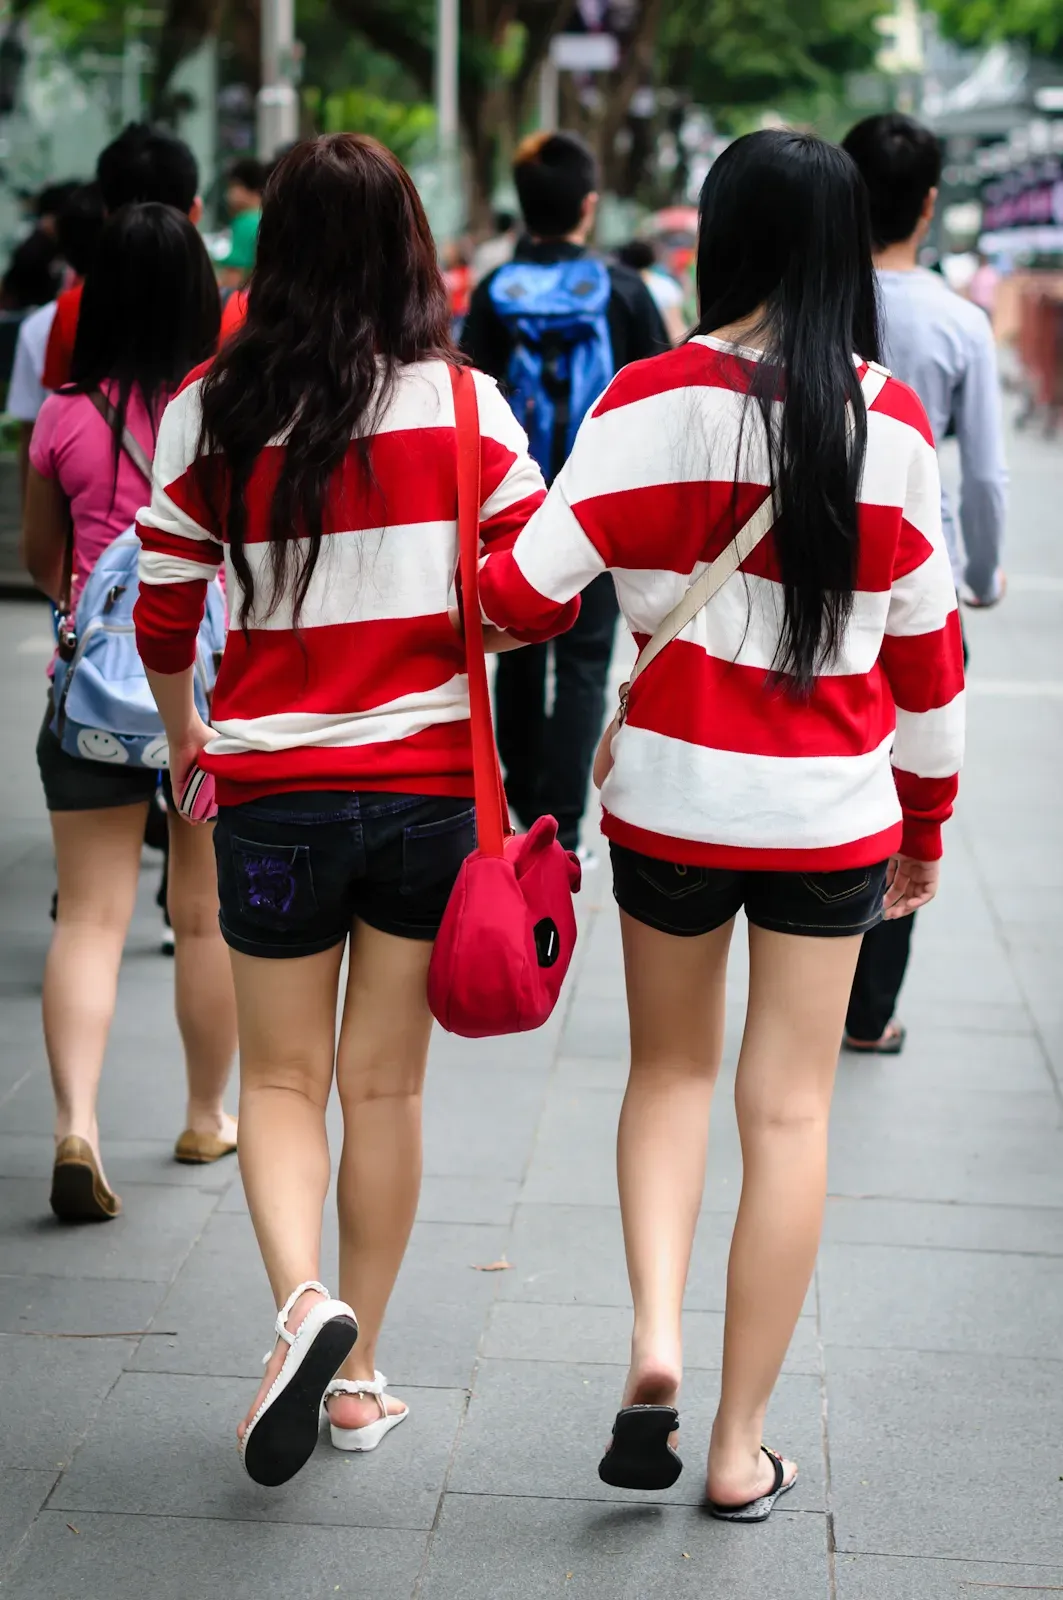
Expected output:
(104, 710)
(562, 357)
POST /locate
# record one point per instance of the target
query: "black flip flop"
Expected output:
(891, 1044)
(760, 1509)
(640, 1456)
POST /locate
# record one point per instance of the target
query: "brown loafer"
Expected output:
(79, 1193)
(200, 1149)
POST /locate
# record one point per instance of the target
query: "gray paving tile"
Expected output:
(492, 1548)
(536, 1428)
(980, 1163)
(468, 1199)
(480, 1121)
(872, 1100)
(149, 1240)
(946, 1455)
(883, 1296)
(951, 1061)
(885, 1578)
(91, 1305)
(22, 1494)
(121, 1467)
(531, 1331)
(129, 1161)
(53, 1388)
(187, 1558)
(597, 1027)
(1037, 1231)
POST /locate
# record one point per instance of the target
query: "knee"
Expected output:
(193, 916)
(379, 1082)
(791, 1116)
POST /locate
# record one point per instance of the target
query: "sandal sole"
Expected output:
(285, 1436)
(75, 1195)
(640, 1456)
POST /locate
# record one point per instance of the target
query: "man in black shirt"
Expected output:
(547, 758)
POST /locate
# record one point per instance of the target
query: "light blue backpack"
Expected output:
(104, 710)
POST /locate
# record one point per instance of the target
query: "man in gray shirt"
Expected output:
(943, 346)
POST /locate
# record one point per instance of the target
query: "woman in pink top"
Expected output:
(148, 314)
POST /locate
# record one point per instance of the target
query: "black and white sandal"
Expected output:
(282, 1435)
(760, 1509)
(640, 1456)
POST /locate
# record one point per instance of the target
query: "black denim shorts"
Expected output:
(296, 870)
(73, 784)
(692, 900)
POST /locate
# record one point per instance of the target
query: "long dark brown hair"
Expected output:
(345, 290)
(785, 227)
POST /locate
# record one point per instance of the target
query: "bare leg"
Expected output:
(287, 1018)
(98, 863)
(798, 991)
(380, 1077)
(203, 985)
(676, 1000)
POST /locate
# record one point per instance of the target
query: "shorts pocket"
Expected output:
(274, 882)
(835, 888)
(433, 851)
(671, 881)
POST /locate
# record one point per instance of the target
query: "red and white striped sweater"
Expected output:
(715, 765)
(370, 692)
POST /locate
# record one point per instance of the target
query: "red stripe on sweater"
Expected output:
(689, 366)
(925, 670)
(206, 551)
(728, 707)
(692, 853)
(926, 803)
(167, 618)
(913, 548)
(897, 400)
(325, 671)
(503, 586)
(436, 761)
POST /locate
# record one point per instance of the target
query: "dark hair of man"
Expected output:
(638, 254)
(346, 289)
(249, 173)
(553, 173)
(900, 162)
(52, 199)
(503, 222)
(32, 277)
(149, 312)
(78, 227)
(147, 164)
(784, 226)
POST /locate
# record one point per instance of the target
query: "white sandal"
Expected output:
(369, 1437)
(282, 1434)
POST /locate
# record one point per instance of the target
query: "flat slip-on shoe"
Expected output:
(79, 1193)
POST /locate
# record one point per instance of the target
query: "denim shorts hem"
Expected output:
(814, 930)
(280, 952)
(648, 920)
(401, 930)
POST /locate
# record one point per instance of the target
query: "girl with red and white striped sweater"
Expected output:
(793, 751)
(316, 458)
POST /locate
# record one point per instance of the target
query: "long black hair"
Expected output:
(149, 312)
(785, 232)
(346, 288)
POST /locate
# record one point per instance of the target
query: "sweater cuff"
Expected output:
(921, 839)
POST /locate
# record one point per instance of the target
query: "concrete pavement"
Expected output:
(923, 1394)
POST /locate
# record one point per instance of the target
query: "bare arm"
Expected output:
(45, 531)
(186, 732)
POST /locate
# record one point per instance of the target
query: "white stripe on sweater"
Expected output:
(398, 719)
(687, 791)
(930, 743)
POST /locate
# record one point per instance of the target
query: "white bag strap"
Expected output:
(729, 560)
(130, 443)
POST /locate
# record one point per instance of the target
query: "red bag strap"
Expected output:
(492, 813)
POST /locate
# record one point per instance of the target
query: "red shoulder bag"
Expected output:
(509, 929)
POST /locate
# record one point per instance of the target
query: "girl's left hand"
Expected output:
(495, 641)
(185, 751)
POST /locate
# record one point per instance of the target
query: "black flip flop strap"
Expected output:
(780, 1470)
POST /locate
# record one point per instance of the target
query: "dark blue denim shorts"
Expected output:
(693, 900)
(296, 870)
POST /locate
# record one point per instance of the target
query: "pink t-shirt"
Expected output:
(73, 444)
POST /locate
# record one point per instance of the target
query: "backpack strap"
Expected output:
(729, 560)
(130, 444)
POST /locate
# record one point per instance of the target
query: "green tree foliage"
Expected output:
(406, 129)
(742, 53)
(1038, 23)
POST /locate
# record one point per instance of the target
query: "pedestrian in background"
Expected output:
(149, 312)
(667, 292)
(553, 327)
(754, 765)
(143, 164)
(943, 346)
(341, 745)
(243, 197)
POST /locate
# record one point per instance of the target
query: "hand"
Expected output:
(496, 642)
(909, 885)
(972, 602)
(185, 750)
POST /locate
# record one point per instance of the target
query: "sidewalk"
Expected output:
(923, 1394)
